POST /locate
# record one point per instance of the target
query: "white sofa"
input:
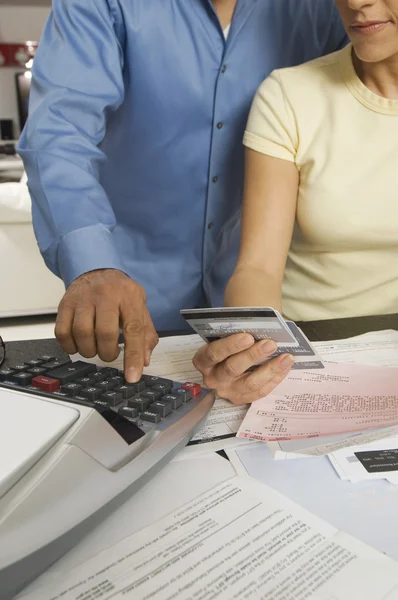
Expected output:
(27, 287)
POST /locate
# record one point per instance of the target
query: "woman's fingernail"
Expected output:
(245, 341)
(286, 362)
(268, 347)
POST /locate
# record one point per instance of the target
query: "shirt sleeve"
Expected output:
(77, 82)
(271, 126)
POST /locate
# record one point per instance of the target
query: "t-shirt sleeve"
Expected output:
(271, 128)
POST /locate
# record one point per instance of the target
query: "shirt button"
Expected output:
(215, 178)
(210, 225)
(220, 125)
(224, 68)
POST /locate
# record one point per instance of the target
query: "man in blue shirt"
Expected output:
(134, 155)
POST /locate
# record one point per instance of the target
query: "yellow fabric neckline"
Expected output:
(358, 88)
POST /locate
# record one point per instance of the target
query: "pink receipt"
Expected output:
(341, 398)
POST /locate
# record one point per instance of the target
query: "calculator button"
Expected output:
(139, 386)
(72, 389)
(21, 367)
(151, 380)
(112, 398)
(174, 399)
(151, 417)
(5, 374)
(109, 372)
(85, 381)
(128, 412)
(139, 403)
(126, 390)
(58, 362)
(161, 408)
(194, 388)
(37, 371)
(152, 394)
(22, 378)
(71, 371)
(185, 395)
(46, 358)
(106, 385)
(164, 388)
(91, 393)
(34, 363)
(98, 376)
(47, 384)
(116, 380)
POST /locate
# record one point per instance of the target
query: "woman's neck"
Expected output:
(381, 77)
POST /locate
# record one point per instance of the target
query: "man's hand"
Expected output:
(94, 308)
(224, 365)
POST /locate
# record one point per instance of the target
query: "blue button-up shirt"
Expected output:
(133, 146)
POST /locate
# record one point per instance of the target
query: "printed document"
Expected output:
(376, 348)
(339, 399)
(240, 541)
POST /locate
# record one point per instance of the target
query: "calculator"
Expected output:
(76, 441)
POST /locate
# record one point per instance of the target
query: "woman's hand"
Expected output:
(224, 365)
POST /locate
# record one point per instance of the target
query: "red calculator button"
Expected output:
(194, 388)
(46, 383)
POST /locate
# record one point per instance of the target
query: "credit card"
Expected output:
(305, 355)
(261, 322)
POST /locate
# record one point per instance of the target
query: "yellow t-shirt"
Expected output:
(343, 259)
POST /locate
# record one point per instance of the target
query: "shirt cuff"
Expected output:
(87, 249)
(267, 147)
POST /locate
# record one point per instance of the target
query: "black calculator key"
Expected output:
(175, 400)
(117, 380)
(128, 412)
(109, 372)
(57, 362)
(112, 398)
(161, 408)
(164, 388)
(85, 381)
(186, 395)
(151, 380)
(34, 363)
(126, 390)
(22, 378)
(98, 376)
(21, 367)
(36, 371)
(72, 371)
(139, 403)
(151, 417)
(91, 393)
(106, 385)
(152, 394)
(46, 358)
(5, 374)
(139, 386)
(72, 389)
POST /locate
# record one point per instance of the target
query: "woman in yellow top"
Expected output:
(320, 216)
